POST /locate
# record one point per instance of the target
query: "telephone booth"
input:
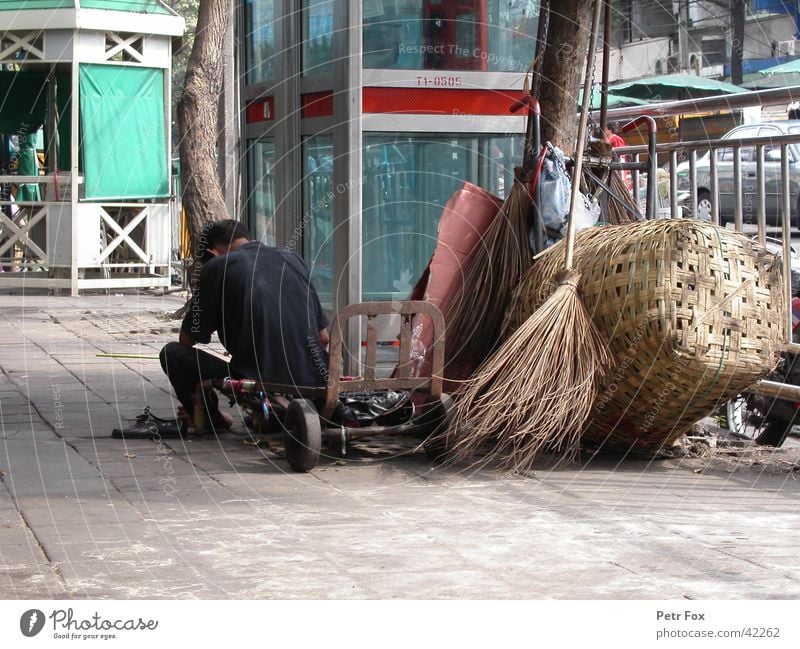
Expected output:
(359, 120)
(85, 122)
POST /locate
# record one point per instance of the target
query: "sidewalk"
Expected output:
(83, 515)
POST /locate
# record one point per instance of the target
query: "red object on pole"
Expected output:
(465, 219)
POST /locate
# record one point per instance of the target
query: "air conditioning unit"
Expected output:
(674, 64)
(786, 48)
(695, 61)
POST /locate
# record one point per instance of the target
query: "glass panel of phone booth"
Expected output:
(260, 38)
(260, 203)
(407, 181)
(317, 222)
(317, 31)
(481, 35)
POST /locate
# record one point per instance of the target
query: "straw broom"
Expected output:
(537, 391)
(498, 264)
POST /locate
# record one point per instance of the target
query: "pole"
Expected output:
(577, 170)
(606, 66)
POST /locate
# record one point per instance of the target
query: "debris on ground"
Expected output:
(708, 448)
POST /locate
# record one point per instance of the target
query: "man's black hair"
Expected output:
(220, 233)
(223, 233)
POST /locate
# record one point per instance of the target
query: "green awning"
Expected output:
(675, 86)
(790, 67)
(21, 5)
(123, 132)
(135, 6)
(614, 101)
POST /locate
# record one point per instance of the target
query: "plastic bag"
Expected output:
(555, 190)
(587, 213)
(418, 349)
(555, 197)
(384, 408)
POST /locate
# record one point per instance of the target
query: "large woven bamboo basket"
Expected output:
(693, 314)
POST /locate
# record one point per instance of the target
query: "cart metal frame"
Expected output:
(305, 412)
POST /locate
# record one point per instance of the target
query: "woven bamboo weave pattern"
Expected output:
(693, 314)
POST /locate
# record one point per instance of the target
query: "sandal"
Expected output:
(148, 426)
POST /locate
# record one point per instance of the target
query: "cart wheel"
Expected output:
(439, 417)
(303, 438)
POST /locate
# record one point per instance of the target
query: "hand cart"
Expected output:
(307, 415)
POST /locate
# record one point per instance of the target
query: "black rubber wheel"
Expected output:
(750, 417)
(303, 439)
(439, 417)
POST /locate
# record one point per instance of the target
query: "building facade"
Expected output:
(654, 38)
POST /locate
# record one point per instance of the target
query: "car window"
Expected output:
(748, 131)
(746, 153)
(772, 153)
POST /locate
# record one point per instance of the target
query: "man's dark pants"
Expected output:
(186, 366)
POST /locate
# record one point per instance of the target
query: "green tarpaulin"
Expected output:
(28, 166)
(124, 149)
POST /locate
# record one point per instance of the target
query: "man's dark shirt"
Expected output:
(260, 301)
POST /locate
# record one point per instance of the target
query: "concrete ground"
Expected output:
(83, 515)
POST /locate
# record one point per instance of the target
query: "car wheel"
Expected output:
(750, 417)
(703, 211)
(795, 220)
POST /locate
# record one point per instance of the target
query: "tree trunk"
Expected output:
(198, 111)
(737, 39)
(562, 66)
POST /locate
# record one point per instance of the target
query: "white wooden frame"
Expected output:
(23, 41)
(124, 44)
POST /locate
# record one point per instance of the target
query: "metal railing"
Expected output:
(703, 163)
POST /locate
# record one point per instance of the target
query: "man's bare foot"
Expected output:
(218, 420)
(184, 416)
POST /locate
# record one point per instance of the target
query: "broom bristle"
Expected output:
(616, 213)
(496, 266)
(537, 391)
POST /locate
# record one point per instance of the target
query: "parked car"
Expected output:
(775, 246)
(772, 176)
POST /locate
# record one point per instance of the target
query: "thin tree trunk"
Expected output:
(562, 67)
(198, 112)
(737, 39)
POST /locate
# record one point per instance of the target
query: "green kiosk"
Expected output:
(85, 197)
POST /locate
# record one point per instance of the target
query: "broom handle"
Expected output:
(577, 168)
